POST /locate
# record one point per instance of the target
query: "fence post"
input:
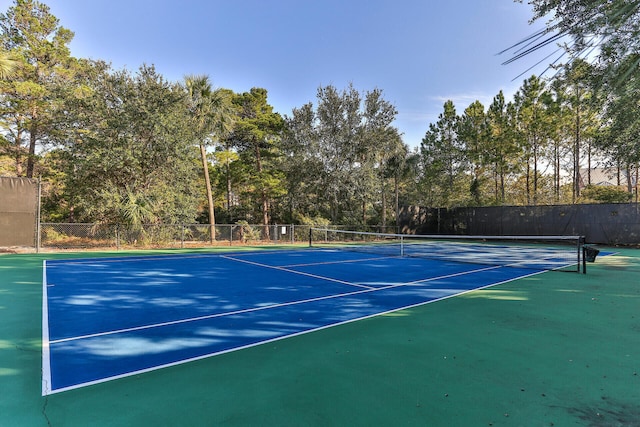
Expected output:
(117, 237)
(181, 236)
(38, 213)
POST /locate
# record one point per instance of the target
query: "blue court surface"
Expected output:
(106, 318)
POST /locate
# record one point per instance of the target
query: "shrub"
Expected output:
(604, 194)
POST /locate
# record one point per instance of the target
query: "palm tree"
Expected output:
(136, 209)
(8, 65)
(212, 116)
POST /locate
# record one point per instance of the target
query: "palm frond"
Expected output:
(8, 65)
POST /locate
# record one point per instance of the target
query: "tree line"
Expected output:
(121, 146)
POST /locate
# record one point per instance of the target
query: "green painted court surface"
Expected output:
(555, 349)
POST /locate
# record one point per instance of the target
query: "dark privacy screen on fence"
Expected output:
(18, 211)
(612, 224)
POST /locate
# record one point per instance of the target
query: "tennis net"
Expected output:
(535, 252)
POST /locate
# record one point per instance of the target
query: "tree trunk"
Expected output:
(502, 191)
(212, 217)
(364, 212)
(535, 171)
(576, 154)
(18, 152)
(228, 179)
(397, 196)
(33, 134)
(635, 187)
(265, 215)
(384, 208)
(265, 198)
(528, 189)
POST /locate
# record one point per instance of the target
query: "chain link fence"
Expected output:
(168, 236)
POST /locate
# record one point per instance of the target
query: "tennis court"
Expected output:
(143, 313)
(315, 336)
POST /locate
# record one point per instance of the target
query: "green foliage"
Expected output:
(136, 209)
(131, 161)
(50, 234)
(500, 153)
(210, 113)
(620, 139)
(533, 130)
(604, 194)
(302, 234)
(474, 130)
(8, 65)
(316, 221)
(612, 79)
(443, 157)
(55, 204)
(339, 156)
(256, 137)
(130, 147)
(614, 26)
(36, 55)
(248, 233)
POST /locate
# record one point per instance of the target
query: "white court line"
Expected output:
(462, 273)
(311, 264)
(154, 257)
(432, 279)
(46, 355)
(296, 272)
(130, 258)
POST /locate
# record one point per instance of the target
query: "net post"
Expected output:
(581, 249)
(310, 238)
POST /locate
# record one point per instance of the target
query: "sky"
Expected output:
(420, 53)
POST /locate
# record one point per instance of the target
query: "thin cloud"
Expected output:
(415, 116)
(465, 99)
